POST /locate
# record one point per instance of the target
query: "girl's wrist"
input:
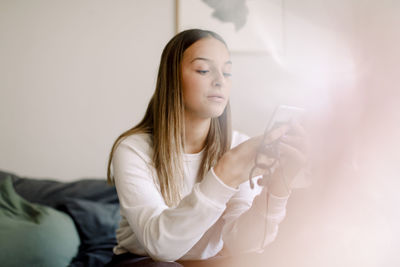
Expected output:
(279, 187)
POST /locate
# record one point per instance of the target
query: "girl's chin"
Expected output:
(216, 113)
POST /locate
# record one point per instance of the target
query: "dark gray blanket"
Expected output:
(92, 204)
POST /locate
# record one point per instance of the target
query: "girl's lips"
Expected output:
(216, 98)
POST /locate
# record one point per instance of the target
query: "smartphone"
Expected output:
(284, 115)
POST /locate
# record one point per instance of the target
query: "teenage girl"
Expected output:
(182, 174)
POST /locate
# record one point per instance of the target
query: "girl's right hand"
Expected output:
(234, 166)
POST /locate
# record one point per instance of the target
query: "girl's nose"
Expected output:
(218, 79)
(217, 83)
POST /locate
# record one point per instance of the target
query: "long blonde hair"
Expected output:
(164, 122)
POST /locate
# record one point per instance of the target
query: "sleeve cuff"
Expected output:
(277, 204)
(214, 189)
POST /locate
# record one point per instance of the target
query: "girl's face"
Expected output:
(206, 79)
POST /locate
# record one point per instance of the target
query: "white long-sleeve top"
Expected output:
(211, 215)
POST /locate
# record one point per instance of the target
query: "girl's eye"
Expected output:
(202, 71)
(227, 74)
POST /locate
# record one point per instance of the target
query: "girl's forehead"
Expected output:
(209, 48)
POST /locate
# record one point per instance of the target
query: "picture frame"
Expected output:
(248, 26)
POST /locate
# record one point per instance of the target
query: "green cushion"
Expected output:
(34, 235)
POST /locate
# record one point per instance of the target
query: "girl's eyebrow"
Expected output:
(208, 60)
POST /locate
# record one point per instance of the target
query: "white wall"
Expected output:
(73, 76)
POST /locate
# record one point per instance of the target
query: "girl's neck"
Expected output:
(196, 132)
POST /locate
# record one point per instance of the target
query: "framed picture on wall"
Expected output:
(246, 25)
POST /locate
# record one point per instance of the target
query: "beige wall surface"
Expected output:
(74, 75)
